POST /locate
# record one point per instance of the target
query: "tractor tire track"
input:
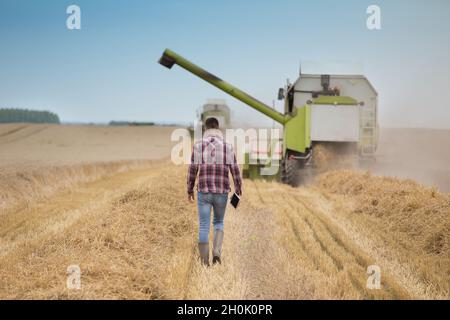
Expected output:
(25, 135)
(357, 260)
(302, 245)
(332, 244)
(326, 248)
(12, 131)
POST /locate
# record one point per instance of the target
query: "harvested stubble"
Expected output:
(24, 187)
(134, 242)
(131, 230)
(410, 218)
(133, 234)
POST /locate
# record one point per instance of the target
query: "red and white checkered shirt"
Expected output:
(212, 159)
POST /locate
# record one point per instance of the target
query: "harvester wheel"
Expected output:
(289, 172)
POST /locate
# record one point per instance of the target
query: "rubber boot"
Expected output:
(203, 249)
(217, 248)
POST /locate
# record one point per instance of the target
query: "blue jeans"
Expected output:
(218, 201)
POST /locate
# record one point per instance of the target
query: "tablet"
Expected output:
(235, 200)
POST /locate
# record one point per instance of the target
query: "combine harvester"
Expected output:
(340, 110)
(216, 108)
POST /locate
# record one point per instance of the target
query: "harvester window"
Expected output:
(290, 99)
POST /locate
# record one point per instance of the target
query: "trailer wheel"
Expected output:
(289, 172)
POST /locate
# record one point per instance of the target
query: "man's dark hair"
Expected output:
(212, 123)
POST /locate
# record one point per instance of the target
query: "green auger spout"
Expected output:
(169, 58)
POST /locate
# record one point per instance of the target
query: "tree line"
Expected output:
(25, 115)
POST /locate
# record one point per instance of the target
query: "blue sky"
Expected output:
(108, 70)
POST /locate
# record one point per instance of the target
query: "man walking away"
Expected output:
(212, 158)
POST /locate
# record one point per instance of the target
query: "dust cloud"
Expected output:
(419, 154)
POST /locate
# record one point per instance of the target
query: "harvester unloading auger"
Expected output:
(315, 112)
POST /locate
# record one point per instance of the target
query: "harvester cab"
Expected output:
(315, 112)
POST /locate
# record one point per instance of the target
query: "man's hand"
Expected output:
(191, 197)
(238, 192)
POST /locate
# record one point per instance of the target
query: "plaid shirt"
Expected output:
(212, 158)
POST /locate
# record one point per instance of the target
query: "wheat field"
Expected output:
(128, 225)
